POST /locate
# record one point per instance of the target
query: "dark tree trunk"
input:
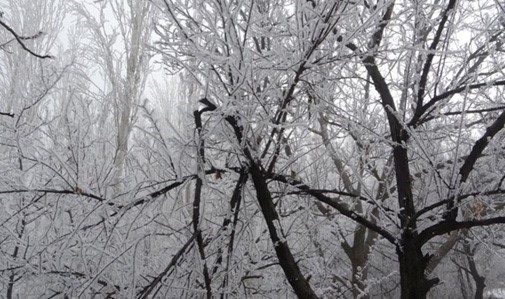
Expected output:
(413, 281)
(358, 254)
(480, 285)
(12, 277)
(293, 273)
(480, 281)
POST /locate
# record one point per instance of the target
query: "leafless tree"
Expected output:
(408, 113)
(300, 148)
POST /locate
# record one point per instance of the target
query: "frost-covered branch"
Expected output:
(418, 115)
(20, 39)
(149, 288)
(339, 206)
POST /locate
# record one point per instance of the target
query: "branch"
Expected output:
(459, 198)
(77, 191)
(7, 114)
(480, 146)
(144, 293)
(181, 181)
(433, 47)
(287, 261)
(398, 135)
(445, 227)
(20, 41)
(342, 193)
(200, 153)
(469, 111)
(234, 209)
(337, 206)
(377, 36)
(419, 113)
(465, 170)
(299, 283)
(281, 113)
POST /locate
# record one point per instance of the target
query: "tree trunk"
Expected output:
(480, 285)
(480, 281)
(413, 281)
(359, 274)
(358, 254)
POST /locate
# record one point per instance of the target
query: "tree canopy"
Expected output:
(256, 148)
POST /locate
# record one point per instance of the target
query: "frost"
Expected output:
(100, 153)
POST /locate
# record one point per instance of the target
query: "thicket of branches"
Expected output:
(318, 149)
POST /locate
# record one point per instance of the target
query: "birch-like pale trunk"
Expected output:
(131, 86)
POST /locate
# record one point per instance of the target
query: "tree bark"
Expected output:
(413, 281)
(480, 281)
(293, 273)
(359, 260)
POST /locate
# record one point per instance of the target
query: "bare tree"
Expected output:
(422, 136)
(28, 83)
(315, 148)
(125, 61)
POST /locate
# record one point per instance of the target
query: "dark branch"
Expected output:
(77, 191)
(422, 110)
(480, 145)
(7, 114)
(144, 293)
(445, 227)
(465, 170)
(460, 197)
(182, 181)
(379, 33)
(470, 111)
(300, 284)
(433, 47)
(342, 193)
(101, 282)
(337, 206)
(200, 152)
(21, 43)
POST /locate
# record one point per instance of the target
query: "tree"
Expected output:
(268, 70)
(56, 155)
(309, 148)
(124, 62)
(28, 80)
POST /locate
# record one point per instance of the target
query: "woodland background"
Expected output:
(252, 148)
